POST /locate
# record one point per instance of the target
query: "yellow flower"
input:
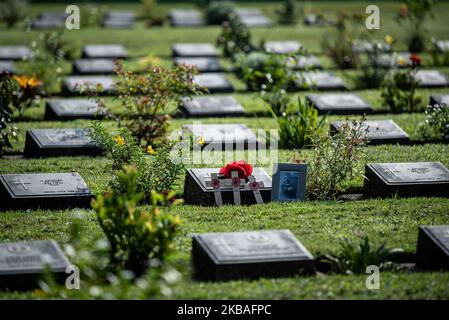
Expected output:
(119, 140)
(389, 39)
(27, 82)
(401, 61)
(150, 150)
(201, 141)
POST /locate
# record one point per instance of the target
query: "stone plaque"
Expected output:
(105, 51)
(214, 82)
(211, 106)
(394, 60)
(120, 15)
(369, 46)
(72, 85)
(442, 45)
(201, 64)
(432, 79)
(432, 252)
(71, 109)
(439, 99)
(93, 66)
(23, 263)
(186, 18)
(14, 52)
(320, 80)
(43, 190)
(59, 142)
(282, 47)
(194, 50)
(249, 255)
(406, 179)
(378, 131)
(253, 17)
(7, 66)
(220, 135)
(304, 62)
(47, 23)
(339, 103)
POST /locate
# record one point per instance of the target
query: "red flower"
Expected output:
(415, 59)
(243, 169)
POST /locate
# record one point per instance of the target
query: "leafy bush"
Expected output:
(135, 234)
(335, 159)
(12, 11)
(277, 99)
(354, 258)
(151, 13)
(289, 12)
(7, 132)
(53, 43)
(235, 37)
(92, 15)
(296, 128)
(218, 12)
(436, 126)
(373, 72)
(399, 91)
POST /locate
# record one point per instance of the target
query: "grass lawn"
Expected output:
(318, 224)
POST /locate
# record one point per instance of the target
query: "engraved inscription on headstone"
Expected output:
(93, 66)
(104, 51)
(73, 85)
(211, 106)
(213, 82)
(339, 103)
(250, 254)
(70, 109)
(319, 80)
(201, 64)
(432, 252)
(194, 50)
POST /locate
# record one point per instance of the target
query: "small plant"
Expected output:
(54, 44)
(12, 11)
(354, 258)
(373, 72)
(150, 12)
(335, 159)
(399, 91)
(136, 235)
(218, 12)
(297, 126)
(235, 37)
(277, 99)
(7, 131)
(436, 125)
(149, 62)
(91, 14)
(289, 12)
(28, 90)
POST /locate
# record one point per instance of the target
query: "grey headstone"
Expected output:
(72, 85)
(22, 264)
(93, 66)
(442, 45)
(339, 103)
(249, 255)
(314, 20)
(104, 51)
(369, 46)
(217, 135)
(432, 252)
(211, 106)
(47, 23)
(186, 18)
(394, 60)
(304, 62)
(14, 52)
(198, 192)
(43, 190)
(59, 142)
(71, 109)
(253, 17)
(214, 82)
(282, 47)
(201, 64)
(53, 16)
(194, 50)
(439, 99)
(408, 179)
(432, 79)
(378, 131)
(320, 80)
(7, 66)
(120, 15)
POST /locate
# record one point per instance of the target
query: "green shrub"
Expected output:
(91, 15)
(289, 12)
(218, 12)
(399, 91)
(7, 131)
(278, 100)
(136, 234)
(372, 73)
(235, 37)
(436, 125)
(12, 11)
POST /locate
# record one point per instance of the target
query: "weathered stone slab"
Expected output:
(201, 64)
(93, 66)
(194, 50)
(71, 109)
(339, 103)
(432, 252)
(211, 106)
(105, 51)
(214, 82)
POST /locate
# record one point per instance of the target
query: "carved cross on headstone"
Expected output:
(23, 184)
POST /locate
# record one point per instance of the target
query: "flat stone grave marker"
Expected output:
(432, 252)
(339, 103)
(44, 190)
(395, 60)
(7, 66)
(119, 19)
(186, 18)
(93, 66)
(14, 52)
(439, 99)
(320, 80)
(249, 255)
(432, 79)
(22, 264)
(199, 191)
(282, 47)
(213, 82)
(120, 15)
(105, 51)
(442, 45)
(378, 131)
(221, 135)
(59, 142)
(304, 62)
(211, 106)
(194, 50)
(71, 109)
(72, 85)
(407, 179)
(253, 17)
(52, 16)
(49, 20)
(369, 46)
(201, 64)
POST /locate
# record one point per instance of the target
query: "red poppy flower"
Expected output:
(243, 169)
(415, 59)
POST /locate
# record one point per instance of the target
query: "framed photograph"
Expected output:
(289, 182)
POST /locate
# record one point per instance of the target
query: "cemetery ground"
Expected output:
(317, 224)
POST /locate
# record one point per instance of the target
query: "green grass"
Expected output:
(318, 225)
